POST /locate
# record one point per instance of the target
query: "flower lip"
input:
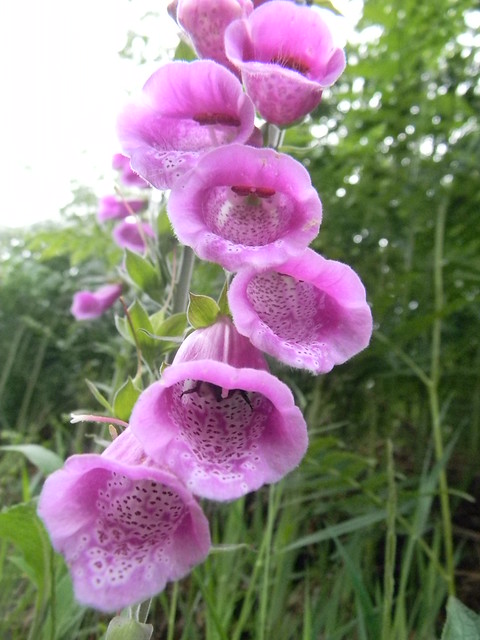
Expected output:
(125, 529)
(309, 312)
(242, 205)
(184, 109)
(226, 431)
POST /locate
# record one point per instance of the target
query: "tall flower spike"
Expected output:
(88, 305)
(219, 418)
(287, 55)
(205, 22)
(185, 109)
(241, 205)
(309, 313)
(124, 526)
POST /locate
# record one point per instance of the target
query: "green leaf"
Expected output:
(124, 400)
(202, 311)
(98, 396)
(121, 628)
(142, 330)
(47, 461)
(462, 623)
(184, 52)
(144, 275)
(21, 526)
(175, 325)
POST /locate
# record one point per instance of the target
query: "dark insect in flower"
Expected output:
(216, 118)
(261, 192)
(217, 392)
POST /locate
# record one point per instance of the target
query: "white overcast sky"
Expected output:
(62, 84)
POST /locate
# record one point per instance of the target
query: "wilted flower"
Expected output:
(242, 205)
(287, 55)
(113, 208)
(124, 526)
(91, 304)
(127, 177)
(131, 234)
(309, 312)
(219, 418)
(205, 22)
(185, 109)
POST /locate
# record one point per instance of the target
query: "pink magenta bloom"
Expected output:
(127, 177)
(91, 304)
(124, 526)
(309, 312)
(287, 55)
(113, 208)
(205, 22)
(128, 235)
(219, 418)
(185, 109)
(242, 205)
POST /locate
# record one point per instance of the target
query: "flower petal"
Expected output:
(309, 312)
(124, 528)
(242, 205)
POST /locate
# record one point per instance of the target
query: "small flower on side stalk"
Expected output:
(124, 526)
(287, 55)
(241, 205)
(127, 235)
(113, 208)
(205, 22)
(185, 109)
(309, 313)
(127, 177)
(219, 418)
(91, 304)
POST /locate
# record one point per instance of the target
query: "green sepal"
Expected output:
(121, 628)
(223, 301)
(124, 400)
(202, 311)
(144, 275)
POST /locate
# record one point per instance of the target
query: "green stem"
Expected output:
(180, 297)
(433, 392)
(172, 612)
(390, 547)
(272, 512)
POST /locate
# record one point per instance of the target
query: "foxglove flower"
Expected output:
(127, 177)
(205, 22)
(124, 526)
(131, 234)
(185, 109)
(112, 208)
(309, 312)
(219, 418)
(88, 305)
(242, 205)
(287, 55)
